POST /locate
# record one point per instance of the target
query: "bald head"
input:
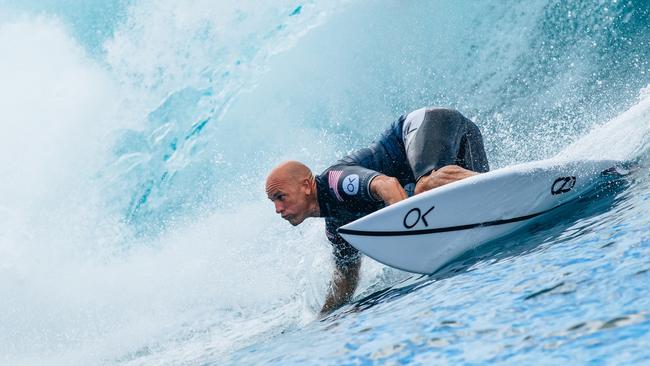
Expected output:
(292, 188)
(288, 171)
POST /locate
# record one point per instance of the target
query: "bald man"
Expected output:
(422, 150)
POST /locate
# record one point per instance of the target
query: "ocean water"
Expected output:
(136, 137)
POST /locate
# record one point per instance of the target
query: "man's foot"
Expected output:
(445, 175)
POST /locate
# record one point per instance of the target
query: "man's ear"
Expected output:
(306, 186)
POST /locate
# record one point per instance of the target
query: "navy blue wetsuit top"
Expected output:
(344, 188)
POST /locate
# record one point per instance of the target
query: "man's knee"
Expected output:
(445, 116)
(442, 111)
(446, 137)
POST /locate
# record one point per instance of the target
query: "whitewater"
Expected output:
(137, 134)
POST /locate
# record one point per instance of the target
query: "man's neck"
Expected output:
(314, 210)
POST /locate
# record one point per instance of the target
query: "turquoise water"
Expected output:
(134, 228)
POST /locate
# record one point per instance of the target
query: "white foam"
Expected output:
(56, 108)
(624, 137)
(79, 286)
(53, 101)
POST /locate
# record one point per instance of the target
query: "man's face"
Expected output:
(289, 198)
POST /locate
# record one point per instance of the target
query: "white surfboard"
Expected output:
(424, 232)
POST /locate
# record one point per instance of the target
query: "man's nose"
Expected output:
(278, 207)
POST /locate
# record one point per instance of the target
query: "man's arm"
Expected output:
(445, 175)
(344, 282)
(387, 189)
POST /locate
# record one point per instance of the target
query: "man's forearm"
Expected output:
(445, 175)
(344, 283)
(388, 189)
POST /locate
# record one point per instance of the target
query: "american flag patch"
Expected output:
(333, 178)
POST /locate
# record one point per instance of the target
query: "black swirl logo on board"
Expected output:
(563, 185)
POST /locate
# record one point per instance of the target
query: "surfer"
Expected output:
(422, 150)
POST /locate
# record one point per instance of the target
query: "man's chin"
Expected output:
(295, 222)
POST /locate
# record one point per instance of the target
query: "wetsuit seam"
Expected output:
(471, 155)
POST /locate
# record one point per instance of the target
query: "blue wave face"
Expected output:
(134, 227)
(91, 22)
(534, 75)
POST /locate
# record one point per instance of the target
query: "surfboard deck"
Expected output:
(424, 232)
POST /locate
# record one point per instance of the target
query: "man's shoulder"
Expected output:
(337, 166)
(327, 185)
(328, 180)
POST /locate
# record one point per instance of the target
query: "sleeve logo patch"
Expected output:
(351, 184)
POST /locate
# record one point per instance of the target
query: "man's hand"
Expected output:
(445, 175)
(344, 283)
(387, 189)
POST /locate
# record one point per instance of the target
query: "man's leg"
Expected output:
(437, 138)
(472, 152)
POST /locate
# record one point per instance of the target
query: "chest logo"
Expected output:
(351, 184)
